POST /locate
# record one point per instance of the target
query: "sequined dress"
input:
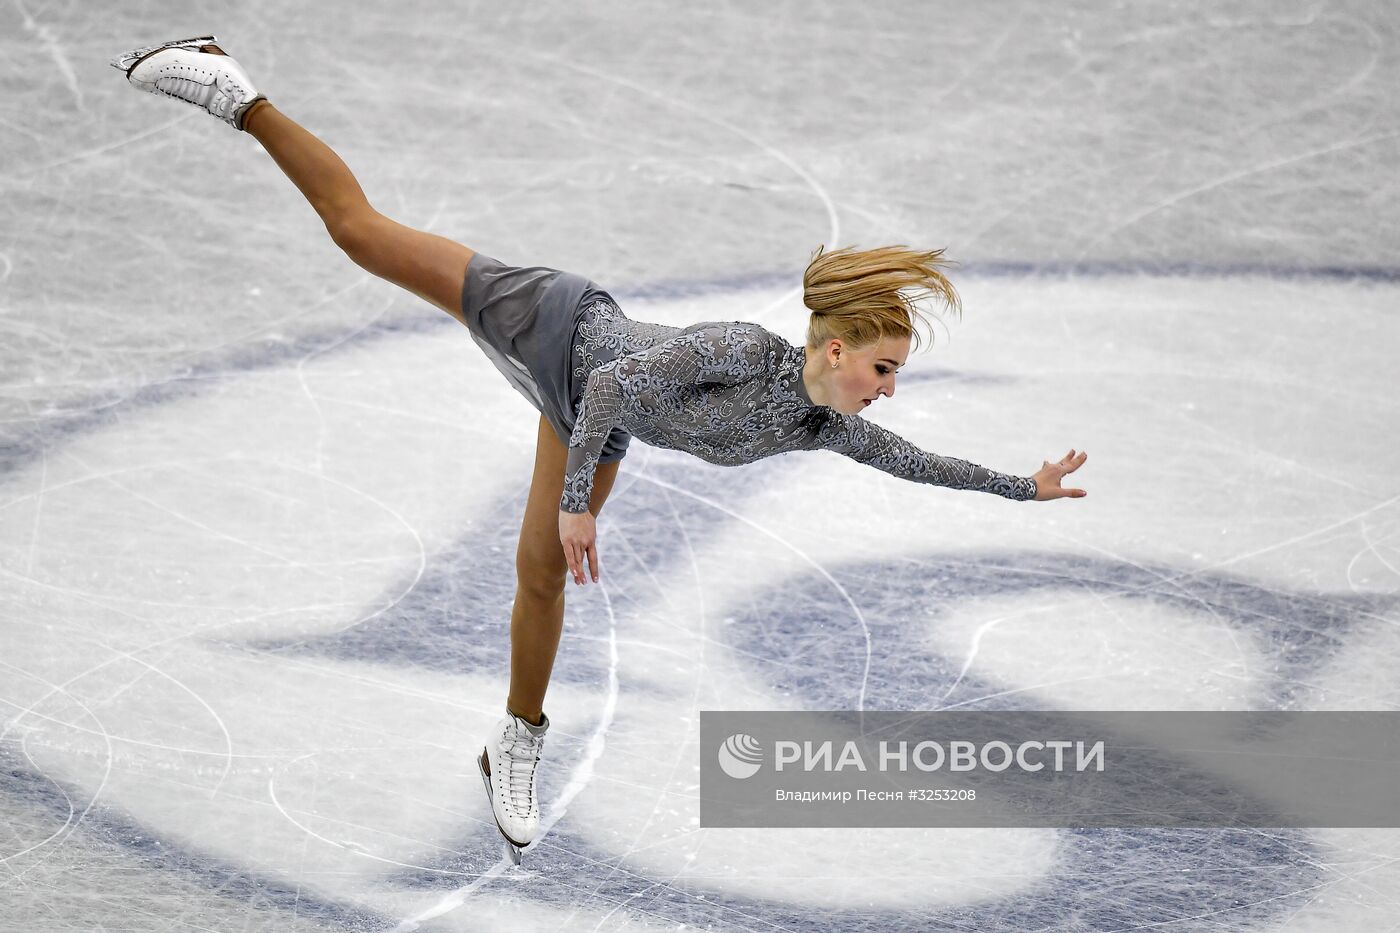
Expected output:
(729, 393)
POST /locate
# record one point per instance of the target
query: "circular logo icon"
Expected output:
(741, 756)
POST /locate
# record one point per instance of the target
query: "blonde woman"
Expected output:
(727, 392)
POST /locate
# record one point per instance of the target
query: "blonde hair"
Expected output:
(860, 296)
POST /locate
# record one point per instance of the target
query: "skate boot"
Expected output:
(196, 71)
(507, 765)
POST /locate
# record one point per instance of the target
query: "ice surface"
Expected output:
(258, 510)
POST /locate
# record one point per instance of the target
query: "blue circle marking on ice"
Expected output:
(741, 756)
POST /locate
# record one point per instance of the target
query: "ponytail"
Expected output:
(860, 296)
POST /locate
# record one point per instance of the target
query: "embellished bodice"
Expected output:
(730, 393)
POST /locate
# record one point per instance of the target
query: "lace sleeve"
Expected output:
(651, 381)
(868, 443)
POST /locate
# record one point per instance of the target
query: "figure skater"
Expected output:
(727, 392)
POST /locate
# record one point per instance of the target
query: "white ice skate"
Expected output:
(196, 71)
(507, 765)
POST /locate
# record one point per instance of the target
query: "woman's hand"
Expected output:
(1047, 478)
(578, 532)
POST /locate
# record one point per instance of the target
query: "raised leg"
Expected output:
(434, 268)
(541, 572)
(429, 266)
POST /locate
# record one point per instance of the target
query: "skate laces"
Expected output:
(219, 95)
(182, 83)
(520, 753)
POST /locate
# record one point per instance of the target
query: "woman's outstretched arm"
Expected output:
(869, 443)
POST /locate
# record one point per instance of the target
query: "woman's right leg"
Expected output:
(513, 748)
(430, 266)
(537, 618)
(434, 268)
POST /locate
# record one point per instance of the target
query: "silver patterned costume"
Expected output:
(729, 393)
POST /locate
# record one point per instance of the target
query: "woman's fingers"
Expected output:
(1048, 478)
(576, 553)
(593, 559)
(1071, 462)
(578, 538)
(571, 555)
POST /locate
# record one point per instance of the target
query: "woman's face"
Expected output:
(867, 373)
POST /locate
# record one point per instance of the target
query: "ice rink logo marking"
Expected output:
(741, 756)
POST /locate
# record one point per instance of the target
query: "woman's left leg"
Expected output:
(429, 266)
(199, 72)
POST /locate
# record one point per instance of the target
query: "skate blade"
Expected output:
(512, 847)
(129, 60)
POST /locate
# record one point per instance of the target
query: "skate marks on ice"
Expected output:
(147, 560)
(266, 646)
(795, 639)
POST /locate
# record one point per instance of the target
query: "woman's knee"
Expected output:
(429, 266)
(541, 577)
(353, 230)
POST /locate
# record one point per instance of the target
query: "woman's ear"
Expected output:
(833, 350)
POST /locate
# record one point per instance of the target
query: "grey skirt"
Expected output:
(526, 321)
